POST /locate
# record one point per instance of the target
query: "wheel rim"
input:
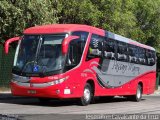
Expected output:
(138, 93)
(87, 94)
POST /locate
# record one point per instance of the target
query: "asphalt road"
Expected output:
(30, 108)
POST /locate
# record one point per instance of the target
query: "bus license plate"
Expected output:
(31, 91)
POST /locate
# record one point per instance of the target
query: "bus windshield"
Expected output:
(39, 54)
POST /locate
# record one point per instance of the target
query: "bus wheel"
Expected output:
(87, 95)
(138, 96)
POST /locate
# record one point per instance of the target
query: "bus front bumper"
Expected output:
(55, 91)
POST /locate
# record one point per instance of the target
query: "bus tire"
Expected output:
(138, 96)
(87, 95)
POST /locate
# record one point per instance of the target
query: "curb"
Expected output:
(5, 92)
(157, 92)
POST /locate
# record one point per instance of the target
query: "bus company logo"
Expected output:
(130, 67)
(95, 43)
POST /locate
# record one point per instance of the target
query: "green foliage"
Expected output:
(136, 19)
(117, 16)
(10, 25)
(15, 17)
(148, 20)
(78, 11)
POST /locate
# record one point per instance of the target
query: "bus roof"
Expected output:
(62, 28)
(66, 28)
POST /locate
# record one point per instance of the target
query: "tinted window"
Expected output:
(76, 48)
(109, 48)
(82, 40)
(142, 56)
(95, 47)
(133, 53)
(122, 51)
(150, 57)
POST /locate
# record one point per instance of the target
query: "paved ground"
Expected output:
(30, 108)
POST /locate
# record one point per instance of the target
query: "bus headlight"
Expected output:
(55, 82)
(40, 85)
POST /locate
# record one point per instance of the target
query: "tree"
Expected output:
(148, 20)
(78, 11)
(18, 15)
(117, 16)
(138, 20)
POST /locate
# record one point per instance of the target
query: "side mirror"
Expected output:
(10, 41)
(66, 42)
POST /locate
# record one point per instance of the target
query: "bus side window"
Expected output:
(142, 57)
(122, 51)
(76, 48)
(150, 57)
(95, 47)
(133, 54)
(109, 49)
(72, 54)
(82, 40)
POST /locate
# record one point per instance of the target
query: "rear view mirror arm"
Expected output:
(7, 43)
